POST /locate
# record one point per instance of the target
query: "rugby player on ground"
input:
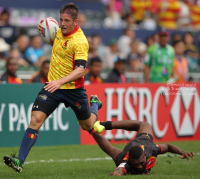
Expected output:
(65, 83)
(139, 155)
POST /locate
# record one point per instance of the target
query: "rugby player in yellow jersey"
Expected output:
(64, 85)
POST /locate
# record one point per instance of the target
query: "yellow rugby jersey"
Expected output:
(66, 49)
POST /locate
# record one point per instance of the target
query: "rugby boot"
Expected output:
(13, 162)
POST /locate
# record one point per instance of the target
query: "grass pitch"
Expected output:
(85, 162)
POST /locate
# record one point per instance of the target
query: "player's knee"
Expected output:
(35, 122)
(86, 127)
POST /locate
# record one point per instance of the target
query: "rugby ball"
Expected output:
(50, 27)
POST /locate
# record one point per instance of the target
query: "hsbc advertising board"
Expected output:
(173, 110)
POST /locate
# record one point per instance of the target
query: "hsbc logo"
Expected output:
(186, 127)
(139, 104)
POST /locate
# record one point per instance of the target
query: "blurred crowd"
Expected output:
(122, 60)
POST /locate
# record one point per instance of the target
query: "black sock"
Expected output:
(107, 125)
(91, 131)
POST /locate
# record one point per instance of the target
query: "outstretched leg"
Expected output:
(129, 125)
(105, 145)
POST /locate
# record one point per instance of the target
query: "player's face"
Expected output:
(67, 23)
(139, 165)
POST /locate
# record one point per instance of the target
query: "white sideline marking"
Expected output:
(88, 159)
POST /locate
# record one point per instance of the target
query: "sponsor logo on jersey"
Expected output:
(65, 44)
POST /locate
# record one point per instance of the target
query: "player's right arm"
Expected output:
(174, 149)
(122, 169)
(118, 172)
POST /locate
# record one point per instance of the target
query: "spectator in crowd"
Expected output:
(115, 12)
(34, 52)
(176, 37)
(156, 38)
(150, 41)
(10, 75)
(117, 74)
(136, 61)
(189, 43)
(41, 76)
(139, 9)
(130, 22)
(97, 40)
(82, 21)
(191, 53)
(168, 13)
(4, 49)
(95, 68)
(194, 12)
(184, 16)
(15, 53)
(180, 62)
(4, 17)
(111, 52)
(142, 51)
(22, 44)
(160, 62)
(134, 51)
(125, 41)
(92, 49)
(149, 22)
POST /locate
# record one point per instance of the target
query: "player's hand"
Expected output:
(40, 28)
(52, 86)
(187, 155)
(118, 172)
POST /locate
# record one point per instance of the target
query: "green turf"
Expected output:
(166, 167)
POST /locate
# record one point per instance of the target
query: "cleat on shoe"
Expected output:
(98, 127)
(13, 162)
(94, 99)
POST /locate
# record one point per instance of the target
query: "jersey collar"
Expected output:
(72, 32)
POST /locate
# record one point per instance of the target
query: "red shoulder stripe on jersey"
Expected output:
(72, 32)
(150, 163)
(126, 156)
(79, 82)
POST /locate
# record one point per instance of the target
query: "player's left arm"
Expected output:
(80, 57)
(74, 75)
(174, 149)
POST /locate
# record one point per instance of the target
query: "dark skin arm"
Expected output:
(174, 149)
(133, 125)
